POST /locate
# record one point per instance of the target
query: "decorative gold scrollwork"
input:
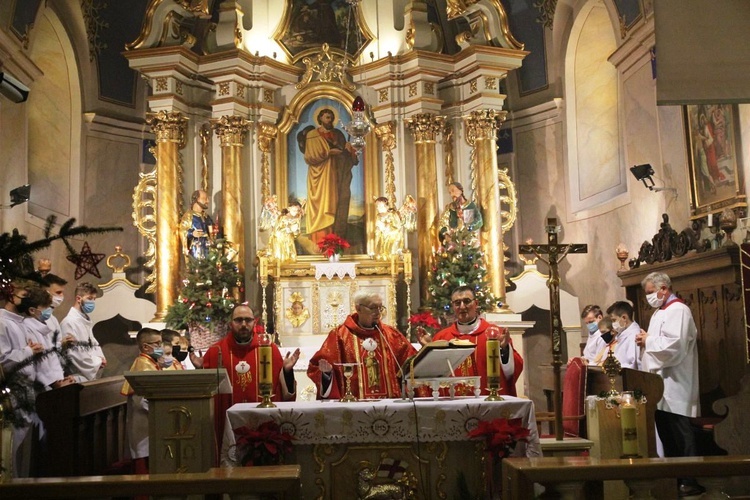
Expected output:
(509, 198)
(387, 135)
(144, 218)
(326, 66)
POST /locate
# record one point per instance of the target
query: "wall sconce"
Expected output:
(18, 195)
(643, 173)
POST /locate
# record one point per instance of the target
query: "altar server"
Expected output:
(87, 360)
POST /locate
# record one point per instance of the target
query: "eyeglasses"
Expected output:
(458, 302)
(239, 321)
(380, 309)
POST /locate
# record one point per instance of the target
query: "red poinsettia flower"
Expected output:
(425, 319)
(332, 244)
(266, 445)
(501, 435)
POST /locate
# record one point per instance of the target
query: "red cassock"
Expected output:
(476, 364)
(376, 375)
(244, 386)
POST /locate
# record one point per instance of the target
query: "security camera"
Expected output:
(13, 89)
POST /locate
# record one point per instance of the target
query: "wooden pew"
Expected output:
(280, 480)
(570, 474)
(85, 426)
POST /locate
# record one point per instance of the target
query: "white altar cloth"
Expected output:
(333, 269)
(383, 421)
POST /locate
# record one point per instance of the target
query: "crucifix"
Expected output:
(265, 363)
(556, 252)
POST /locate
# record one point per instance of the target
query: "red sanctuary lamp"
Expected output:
(359, 126)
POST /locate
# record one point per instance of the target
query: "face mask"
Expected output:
(166, 361)
(88, 306)
(653, 300)
(178, 354)
(616, 326)
(593, 328)
(57, 300)
(46, 314)
(607, 337)
(157, 353)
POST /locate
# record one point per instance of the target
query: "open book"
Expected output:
(437, 359)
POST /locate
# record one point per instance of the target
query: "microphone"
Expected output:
(395, 359)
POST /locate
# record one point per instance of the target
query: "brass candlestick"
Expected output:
(265, 391)
(348, 373)
(494, 386)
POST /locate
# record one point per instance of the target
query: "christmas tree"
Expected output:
(459, 261)
(206, 297)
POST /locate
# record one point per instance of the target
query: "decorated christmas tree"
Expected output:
(459, 261)
(206, 298)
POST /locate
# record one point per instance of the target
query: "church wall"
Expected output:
(648, 134)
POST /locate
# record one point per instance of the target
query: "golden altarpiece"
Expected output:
(236, 96)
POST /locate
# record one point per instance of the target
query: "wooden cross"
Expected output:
(556, 253)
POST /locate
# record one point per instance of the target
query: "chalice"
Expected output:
(348, 373)
(622, 255)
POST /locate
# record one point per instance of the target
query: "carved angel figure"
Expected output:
(297, 314)
(287, 228)
(408, 212)
(389, 234)
(269, 214)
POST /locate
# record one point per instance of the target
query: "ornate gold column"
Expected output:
(267, 133)
(232, 131)
(481, 130)
(170, 129)
(424, 128)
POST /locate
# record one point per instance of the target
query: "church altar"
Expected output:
(339, 445)
(310, 297)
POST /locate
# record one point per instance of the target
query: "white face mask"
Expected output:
(616, 326)
(653, 300)
(57, 300)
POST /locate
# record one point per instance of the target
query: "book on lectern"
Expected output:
(438, 359)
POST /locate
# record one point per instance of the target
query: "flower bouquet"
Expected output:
(266, 445)
(332, 246)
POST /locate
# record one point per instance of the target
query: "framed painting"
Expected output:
(307, 24)
(317, 167)
(714, 165)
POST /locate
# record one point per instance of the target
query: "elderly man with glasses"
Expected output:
(378, 351)
(469, 326)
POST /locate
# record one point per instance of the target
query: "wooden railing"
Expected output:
(281, 481)
(85, 426)
(581, 477)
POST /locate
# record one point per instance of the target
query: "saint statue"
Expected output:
(281, 243)
(195, 226)
(330, 159)
(460, 213)
(389, 233)
(297, 314)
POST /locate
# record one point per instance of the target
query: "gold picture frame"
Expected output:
(714, 158)
(300, 114)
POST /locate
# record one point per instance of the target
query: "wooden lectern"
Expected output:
(180, 417)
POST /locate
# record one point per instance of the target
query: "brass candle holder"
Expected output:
(494, 386)
(266, 394)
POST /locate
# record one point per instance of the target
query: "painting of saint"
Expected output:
(311, 23)
(325, 170)
(714, 173)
